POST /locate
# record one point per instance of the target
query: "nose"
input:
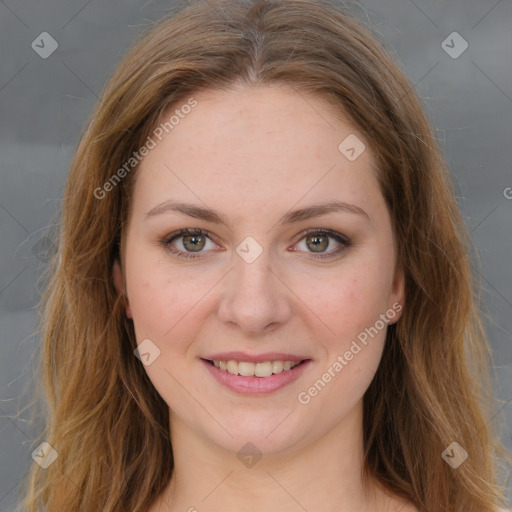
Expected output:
(254, 300)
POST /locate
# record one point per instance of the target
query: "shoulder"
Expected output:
(409, 507)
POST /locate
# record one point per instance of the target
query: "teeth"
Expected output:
(245, 369)
(263, 369)
(277, 366)
(232, 367)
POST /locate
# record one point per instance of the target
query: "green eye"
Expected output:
(318, 241)
(194, 241)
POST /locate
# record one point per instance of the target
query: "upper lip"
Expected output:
(255, 358)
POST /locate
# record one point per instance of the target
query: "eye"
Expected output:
(195, 240)
(317, 240)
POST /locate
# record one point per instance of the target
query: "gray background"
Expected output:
(44, 104)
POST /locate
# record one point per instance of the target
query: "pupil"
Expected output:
(317, 242)
(195, 243)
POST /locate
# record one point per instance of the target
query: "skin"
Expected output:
(254, 154)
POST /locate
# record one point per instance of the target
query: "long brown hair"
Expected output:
(105, 419)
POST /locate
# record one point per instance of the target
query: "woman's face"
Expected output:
(252, 287)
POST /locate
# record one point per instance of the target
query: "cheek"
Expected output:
(160, 298)
(166, 308)
(347, 300)
(351, 306)
(351, 332)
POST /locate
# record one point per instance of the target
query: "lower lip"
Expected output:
(256, 385)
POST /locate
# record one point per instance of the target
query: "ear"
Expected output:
(398, 293)
(117, 276)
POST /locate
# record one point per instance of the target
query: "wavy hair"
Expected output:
(107, 422)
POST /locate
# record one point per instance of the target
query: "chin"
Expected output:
(269, 433)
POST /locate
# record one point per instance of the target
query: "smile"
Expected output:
(255, 378)
(248, 369)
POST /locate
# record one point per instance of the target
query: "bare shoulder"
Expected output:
(409, 507)
(401, 505)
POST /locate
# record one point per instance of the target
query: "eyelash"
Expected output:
(342, 239)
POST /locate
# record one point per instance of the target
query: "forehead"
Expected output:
(253, 147)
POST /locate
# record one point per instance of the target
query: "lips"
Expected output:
(255, 374)
(256, 358)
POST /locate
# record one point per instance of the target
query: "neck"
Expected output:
(322, 474)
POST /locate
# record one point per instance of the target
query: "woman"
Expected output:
(262, 299)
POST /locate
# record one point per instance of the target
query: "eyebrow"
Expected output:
(207, 214)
